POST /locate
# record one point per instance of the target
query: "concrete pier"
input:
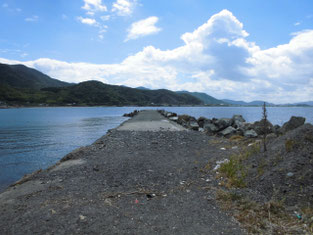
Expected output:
(144, 177)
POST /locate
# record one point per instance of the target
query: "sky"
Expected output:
(239, 50)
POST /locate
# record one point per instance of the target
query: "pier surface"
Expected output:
(144, 177)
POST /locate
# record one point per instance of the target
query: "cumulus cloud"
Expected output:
(88, 21)
(216, 58)
(123, 7)
(94, 6)
(143, 28)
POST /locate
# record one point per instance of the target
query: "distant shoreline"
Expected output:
(90, 106)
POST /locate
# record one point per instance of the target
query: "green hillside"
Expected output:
(20, 76)
(20, 85)
(98, 93)
(205, 98)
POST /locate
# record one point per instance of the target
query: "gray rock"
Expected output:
(228, 131)
(201, 129)
(238, 121)
(293, 123)
(202, 120)
(238, 118)
(193, 125)
(250, 134)
(223, 123)
(245, 126)
(277, 130)
(175, 119)
(183, 120)
(169, 114)
(210, 128)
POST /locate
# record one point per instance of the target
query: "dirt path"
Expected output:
(145, 177)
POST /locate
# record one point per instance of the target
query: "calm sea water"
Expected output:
(35, 138)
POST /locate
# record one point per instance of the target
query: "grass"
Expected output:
(235, 173)
(234, 170)
(262, 218)
(236, 138)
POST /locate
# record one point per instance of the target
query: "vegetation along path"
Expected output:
(148, 176)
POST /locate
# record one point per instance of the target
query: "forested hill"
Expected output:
(98, 93)
(20, 76)
(205, 98)
(20, 85)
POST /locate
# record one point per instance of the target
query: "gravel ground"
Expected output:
(134, 180)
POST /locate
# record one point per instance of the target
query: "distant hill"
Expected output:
(243, 103)
(307, 103)
(20, 85)
(98, 93)
(142, 88)
(20, 76)
(205, 98)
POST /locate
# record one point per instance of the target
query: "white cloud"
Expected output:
(143, 28)
(123, 7)
(32, 19)
(215, 58)
(297, 24)
(88, 21)
(94, 6)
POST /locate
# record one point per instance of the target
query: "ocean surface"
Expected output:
(36, 138)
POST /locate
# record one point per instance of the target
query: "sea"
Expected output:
(36, 138)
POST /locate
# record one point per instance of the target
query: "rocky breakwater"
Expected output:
(131, 114)
(237, 125)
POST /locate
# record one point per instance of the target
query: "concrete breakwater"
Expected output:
(144, 177)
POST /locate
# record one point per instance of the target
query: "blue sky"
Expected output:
(243, 50)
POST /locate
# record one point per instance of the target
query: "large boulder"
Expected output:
(193, 124)
(183, 120)
(227, 131)
(175, 119)
(202, 121)
(210, 128)
(293, 123)
(223, 123)
(169, 114)
(250, 134)
(238, 121)
(262, 127)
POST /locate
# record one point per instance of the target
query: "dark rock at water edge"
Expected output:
(132, 114)
(292, 124)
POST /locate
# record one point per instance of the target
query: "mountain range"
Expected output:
(20, 85)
